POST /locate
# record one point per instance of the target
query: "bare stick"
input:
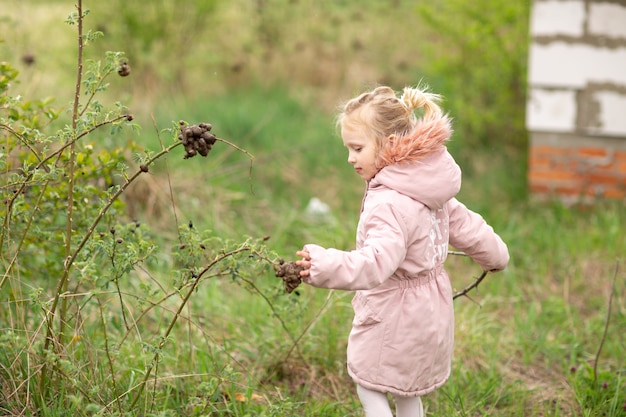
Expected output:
(309, 326)
(250, 156)
(606, 323)
(178, 314)
(294, 341)
(471, 286)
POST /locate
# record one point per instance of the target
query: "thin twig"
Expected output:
(69, 261)
(471, 286)
(29, 175)
(96, 89)
(21, 139)
(22, 239)
(169, 182)
(294, 341)
(249, 156)
(71, 169)
(606, 323)
(108, 352)
(310, 325)
(182, 305)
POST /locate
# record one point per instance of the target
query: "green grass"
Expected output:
(517, 338)
(526, 341)
(515, 344)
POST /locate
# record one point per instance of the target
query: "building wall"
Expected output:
(576, 109)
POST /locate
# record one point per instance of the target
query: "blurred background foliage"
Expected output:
(249, 66)
(322, 52)
(269, 75)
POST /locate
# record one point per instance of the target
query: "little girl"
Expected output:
(402, 333)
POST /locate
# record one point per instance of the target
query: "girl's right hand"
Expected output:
(305, 263)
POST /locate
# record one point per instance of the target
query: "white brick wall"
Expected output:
(612, 113)
(561, 64)
(557, 18)
(553, 111)
(607, 19)
(578, 47)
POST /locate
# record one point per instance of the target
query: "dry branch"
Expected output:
(471, 286)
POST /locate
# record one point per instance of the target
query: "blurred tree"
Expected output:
(478, 54)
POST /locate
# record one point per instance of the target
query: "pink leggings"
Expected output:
(375, 404)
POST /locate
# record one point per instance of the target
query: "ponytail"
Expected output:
(380, 113)
(415, 98)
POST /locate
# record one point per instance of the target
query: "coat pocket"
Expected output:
(363, 314)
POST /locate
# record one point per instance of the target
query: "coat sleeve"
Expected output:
(380, 255)
(471, 234)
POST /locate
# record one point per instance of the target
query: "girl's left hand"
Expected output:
(304, 263)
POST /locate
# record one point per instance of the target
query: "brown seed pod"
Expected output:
(209, 137)
(144, 168)
(289, 272)
(196, 139)
(124, 69)
(197, 131)
(28, 59)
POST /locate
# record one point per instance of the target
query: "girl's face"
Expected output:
(362, 151)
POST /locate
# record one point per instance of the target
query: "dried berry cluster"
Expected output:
(197, 139)
(124, 69)
(290, 274)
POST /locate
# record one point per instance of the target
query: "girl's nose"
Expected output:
(351, 159)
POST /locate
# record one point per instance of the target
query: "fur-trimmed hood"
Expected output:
(428, 136)
(419, 164)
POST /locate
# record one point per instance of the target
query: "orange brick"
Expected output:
(602, 179)
(595, 152)
(570, 165)
(549, 150)
(608, 169)
(553, 175)
(586, 172)
(615, 193)
(573, 191)
(539, 161)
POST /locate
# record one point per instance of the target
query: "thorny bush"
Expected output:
(79, 300)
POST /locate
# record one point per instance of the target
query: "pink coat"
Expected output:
(403, 329)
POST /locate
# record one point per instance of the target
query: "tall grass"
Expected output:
(525, 339)
(529, 341)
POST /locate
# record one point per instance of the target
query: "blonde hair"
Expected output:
(380, 113)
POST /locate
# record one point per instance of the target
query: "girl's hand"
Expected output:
(304, 263)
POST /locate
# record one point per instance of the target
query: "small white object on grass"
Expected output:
(317, 208)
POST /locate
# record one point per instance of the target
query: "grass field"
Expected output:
(545, 337)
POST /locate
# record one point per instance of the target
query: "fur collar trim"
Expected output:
(428, 136)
